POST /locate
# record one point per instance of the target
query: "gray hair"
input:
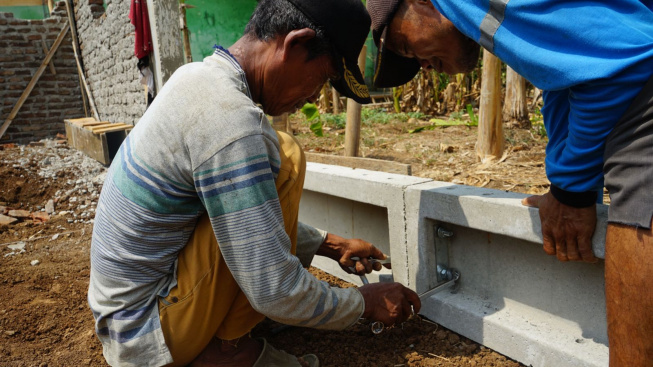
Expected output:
(273, 18)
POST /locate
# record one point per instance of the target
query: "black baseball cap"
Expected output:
(346, 23)
(390, 69)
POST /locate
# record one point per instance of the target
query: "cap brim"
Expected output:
(351, 83)
(392, 70)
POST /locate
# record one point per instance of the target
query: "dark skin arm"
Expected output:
(389, 303)
(566, 231)
(342, 250)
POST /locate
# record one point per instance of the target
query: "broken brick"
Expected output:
(40, 217)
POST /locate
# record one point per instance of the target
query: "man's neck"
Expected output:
(250, 54)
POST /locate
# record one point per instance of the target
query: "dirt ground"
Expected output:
(44, 258)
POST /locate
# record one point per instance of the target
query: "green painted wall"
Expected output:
(223, 22)
(216, 22)
(27, 12)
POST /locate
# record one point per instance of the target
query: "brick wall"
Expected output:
(107, 45)
(55, 97)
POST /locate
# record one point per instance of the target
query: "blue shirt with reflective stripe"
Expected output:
(590, 58)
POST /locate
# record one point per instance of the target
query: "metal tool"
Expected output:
(385, 262)
(452, 276)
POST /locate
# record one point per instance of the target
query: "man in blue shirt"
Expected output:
(594, 62)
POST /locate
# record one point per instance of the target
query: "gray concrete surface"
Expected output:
(511, 297)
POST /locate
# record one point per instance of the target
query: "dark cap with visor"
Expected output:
(346, 25)
(390, 69)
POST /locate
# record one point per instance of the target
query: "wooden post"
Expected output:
(353, 128)
(515, 108)
(280, 123)
(489, 146)
(325, 98)
(336, 101)
(32, 82)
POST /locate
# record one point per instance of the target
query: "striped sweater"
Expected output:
(203, 146)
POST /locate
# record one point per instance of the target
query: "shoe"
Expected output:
(272, 357)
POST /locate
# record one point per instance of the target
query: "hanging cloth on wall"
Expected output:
(139, 18)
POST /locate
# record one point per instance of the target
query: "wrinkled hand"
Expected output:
(566, 231)
(342, 250)
(389, 303)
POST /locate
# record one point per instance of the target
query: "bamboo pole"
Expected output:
(45, 51)
(489, 145)
(80, 70)
(353, 128)
(32, 82)
(184, 30)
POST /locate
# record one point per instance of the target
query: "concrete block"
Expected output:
(511, 297)
(383, 193)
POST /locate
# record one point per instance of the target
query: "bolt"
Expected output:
(444, 233)
(444, 273)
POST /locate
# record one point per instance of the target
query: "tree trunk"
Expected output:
(515, 109)
(489, 146)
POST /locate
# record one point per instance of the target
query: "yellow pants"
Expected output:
(207, 302)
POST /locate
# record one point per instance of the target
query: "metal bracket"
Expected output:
(452, 283)
(442, 240)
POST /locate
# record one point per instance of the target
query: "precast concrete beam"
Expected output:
(511, 296)
(358, 203)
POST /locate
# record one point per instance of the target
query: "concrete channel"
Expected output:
(510, 297)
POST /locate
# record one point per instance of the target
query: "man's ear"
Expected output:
(424, 4)
(297, 37)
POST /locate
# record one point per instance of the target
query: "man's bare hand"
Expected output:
(342, 250)
(389, 303)
(566, 231)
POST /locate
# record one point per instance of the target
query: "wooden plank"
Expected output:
(362, 163)
(100, 126)
(79, 121)
(112, 129)
(82, 139)
(92, 123)
(35, 79)
(102, 123)
(105, 125)
(22, 2)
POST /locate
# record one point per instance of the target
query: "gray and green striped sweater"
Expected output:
(203, 146)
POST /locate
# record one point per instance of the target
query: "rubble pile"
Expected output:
(47, 179)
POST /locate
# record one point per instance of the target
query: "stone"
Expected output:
(34, 262)
(5, 220)
(20, 246)
(19, 213)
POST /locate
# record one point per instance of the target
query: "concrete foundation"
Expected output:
(511, 297)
